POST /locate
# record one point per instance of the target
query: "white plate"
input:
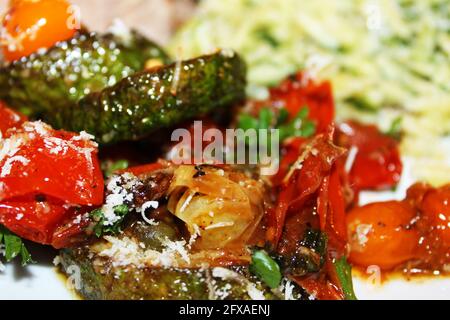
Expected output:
(41, 281)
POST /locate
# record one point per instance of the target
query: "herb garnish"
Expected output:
(266, 268)
(344, 273)
(13, 247)
(101, 227)
(299, 126)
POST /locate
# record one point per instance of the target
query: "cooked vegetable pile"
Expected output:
(87, 167)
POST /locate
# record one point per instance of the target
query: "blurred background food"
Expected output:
(157, 19)
(388, 60)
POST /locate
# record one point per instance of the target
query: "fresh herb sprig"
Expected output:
(101, 227)
(299, 126)
(14, 247)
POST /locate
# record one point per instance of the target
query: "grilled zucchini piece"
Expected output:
(160, 98)
(100, 278)
(50, 81)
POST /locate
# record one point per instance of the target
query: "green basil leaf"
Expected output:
(266, 268)
(14, 247)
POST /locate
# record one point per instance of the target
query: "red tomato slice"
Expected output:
(331, 209)
(31, 219)
(54, 163)
(377, 164)
(45, 175)
(9, 118)
(436, 204)
(70, 231)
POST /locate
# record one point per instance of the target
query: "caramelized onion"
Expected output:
(224, 206)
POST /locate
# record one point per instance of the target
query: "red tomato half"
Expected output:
(298, 92)
(377, 164)
(32, 219)
(44, 175)
(54, 163)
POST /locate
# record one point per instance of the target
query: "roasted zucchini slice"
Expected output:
(159, 98)
(47, 82)
(98, 277)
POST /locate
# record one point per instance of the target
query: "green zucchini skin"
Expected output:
(47, 82)
(99, 280)
(159, 98)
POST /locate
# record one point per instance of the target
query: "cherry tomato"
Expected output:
(377, 164)
(436, 206)
(30, 25)
(382, 234)
(298, 92)
(9, 118)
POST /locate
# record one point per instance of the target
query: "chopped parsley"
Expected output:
(299, 126)
(14, 247)
(101, 222)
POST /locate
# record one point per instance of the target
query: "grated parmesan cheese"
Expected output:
(226, 274)
(7, 166)
(57, 261)
(120, 188)
(351, 159)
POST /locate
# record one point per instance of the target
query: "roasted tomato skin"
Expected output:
(31, 219)
(435, 207)
(9, 118)
(382, 234)
(47, 177)
(31, 25)
(377, 164)
(298, 92)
